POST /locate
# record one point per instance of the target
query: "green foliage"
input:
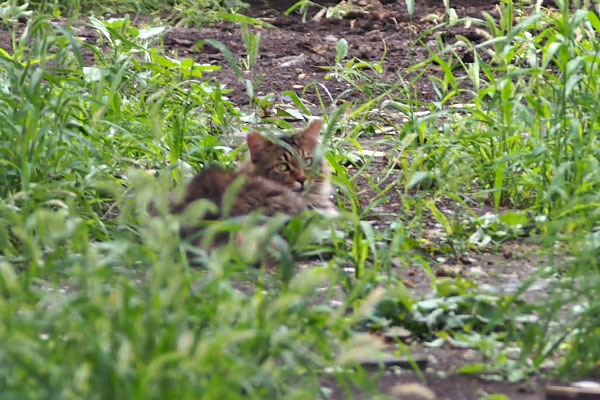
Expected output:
(122, 318)
(184, 12)
(101, 298)
(99, 295)
(515, 129)
(525, 141)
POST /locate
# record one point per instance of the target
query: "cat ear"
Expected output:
(310, 136)
(256, 144)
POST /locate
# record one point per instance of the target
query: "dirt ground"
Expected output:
(290, 57)
(295, 53)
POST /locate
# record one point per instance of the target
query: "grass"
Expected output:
(98, 296)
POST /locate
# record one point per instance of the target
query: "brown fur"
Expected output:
(278, 177)
(255, 193)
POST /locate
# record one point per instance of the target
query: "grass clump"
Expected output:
(515, 129)
(181, 12)
(507, 153)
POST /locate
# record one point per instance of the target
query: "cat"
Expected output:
(279, 177)
(255, 193)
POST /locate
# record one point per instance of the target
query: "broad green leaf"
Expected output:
(164, 61)
(571, 84)
(410, 7)
(369, 235)
(593, 18)
(440, 217)
(232, 62)
(500, 172)
(513, 218)
(297, 101)
(416, 178)
(474, 368)
(341, 48)
(243, 19)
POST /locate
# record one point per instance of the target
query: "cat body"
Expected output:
(278, 176)
(255, 193)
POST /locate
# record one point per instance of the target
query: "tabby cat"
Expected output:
(279, 176)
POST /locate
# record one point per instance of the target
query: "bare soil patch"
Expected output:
(295, 53)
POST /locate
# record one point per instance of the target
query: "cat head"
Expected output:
(287, 159)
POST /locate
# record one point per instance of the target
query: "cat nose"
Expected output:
(298, 182)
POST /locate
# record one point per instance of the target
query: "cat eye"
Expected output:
(308, 161)
(282, 167)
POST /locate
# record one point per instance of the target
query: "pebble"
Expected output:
(586, 385)
(414, 391)
(397, 332)
(478, 272)
(290, 63)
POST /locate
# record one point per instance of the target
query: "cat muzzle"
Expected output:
(298, 186)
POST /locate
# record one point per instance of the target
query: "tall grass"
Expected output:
(97, 295)
(515, 131)
(523, 139)
(100, 298)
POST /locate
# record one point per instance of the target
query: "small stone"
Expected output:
(586, 385)
(289, 61)
(414, 391)
(297, 86)
(374, 154)
(477, 271)
(397, 332)
(335, 303)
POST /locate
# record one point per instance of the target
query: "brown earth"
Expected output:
(295, 53)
